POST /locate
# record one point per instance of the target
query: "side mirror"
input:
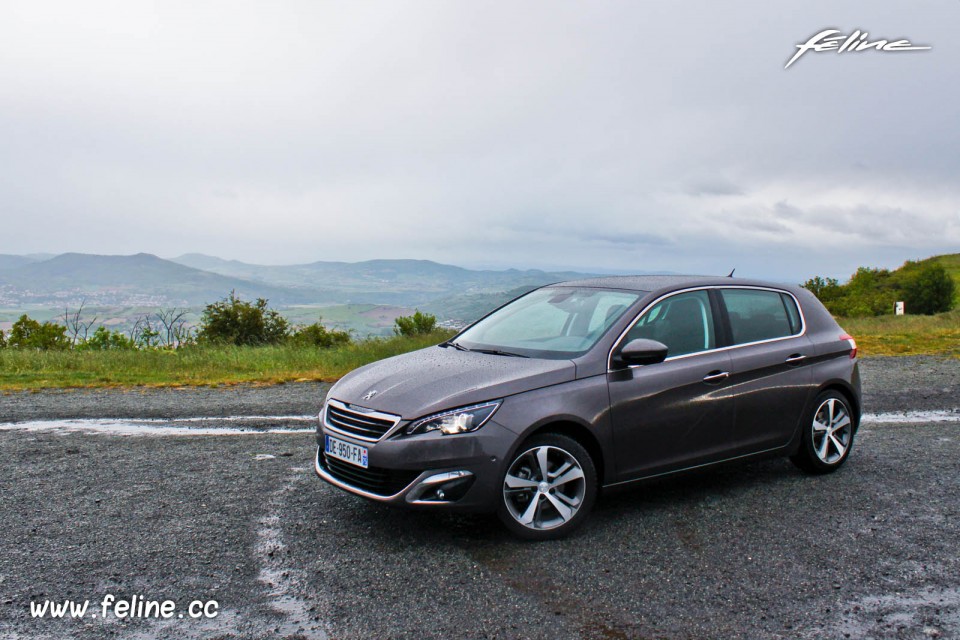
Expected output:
(641, 351)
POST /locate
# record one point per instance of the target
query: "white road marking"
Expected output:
(911, 417)
(281, 581)
(156, 427)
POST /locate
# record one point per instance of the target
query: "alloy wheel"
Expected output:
(544, 487)
(832, 431)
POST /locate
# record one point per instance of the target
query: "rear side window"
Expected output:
(683, 322)
(792, 313)
(757, 315)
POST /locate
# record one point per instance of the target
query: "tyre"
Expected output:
(827, 435)
(549, 488)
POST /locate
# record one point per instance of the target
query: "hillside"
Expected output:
(194, 280)
(11, 262)
(136, 279)
(404, 282)
(950, 262)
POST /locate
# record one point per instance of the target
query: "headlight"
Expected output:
(455, 421)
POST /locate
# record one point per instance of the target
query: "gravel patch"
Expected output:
(749, 551)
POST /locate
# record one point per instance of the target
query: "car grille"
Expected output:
(370, 426)
(383, 482)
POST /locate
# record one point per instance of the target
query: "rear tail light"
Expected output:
(850, 341)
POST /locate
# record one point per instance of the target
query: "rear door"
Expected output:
(677, 413)
(769, 359)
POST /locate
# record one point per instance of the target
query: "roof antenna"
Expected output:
(730, 275)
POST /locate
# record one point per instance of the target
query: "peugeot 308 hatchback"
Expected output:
(577, 386)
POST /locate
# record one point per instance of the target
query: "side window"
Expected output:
(792, 313)
(756, 314)
(683, 322)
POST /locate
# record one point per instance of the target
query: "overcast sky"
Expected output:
(626, 136)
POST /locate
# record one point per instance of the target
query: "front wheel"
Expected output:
(828, 436)
(549, 488)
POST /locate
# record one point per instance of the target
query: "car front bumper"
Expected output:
(455, 472)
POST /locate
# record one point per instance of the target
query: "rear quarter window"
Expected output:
(757, 314)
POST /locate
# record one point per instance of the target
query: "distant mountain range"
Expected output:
(196, 279)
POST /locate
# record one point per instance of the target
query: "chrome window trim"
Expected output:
(367, 412)
(616, 343)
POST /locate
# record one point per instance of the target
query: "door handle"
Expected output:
(716, 376)
(796, 359)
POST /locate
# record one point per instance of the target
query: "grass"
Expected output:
(23, 369)
(906, 335)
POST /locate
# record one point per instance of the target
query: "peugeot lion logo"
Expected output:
(370, 394)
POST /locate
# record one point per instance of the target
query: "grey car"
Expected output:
(583, 385)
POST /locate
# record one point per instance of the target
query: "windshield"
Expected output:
(553, 322)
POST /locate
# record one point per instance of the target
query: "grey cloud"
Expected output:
(511, 134)
(713, 187)
(628, 239)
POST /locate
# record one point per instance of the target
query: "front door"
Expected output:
(678, 413)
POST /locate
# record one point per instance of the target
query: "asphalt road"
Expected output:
(750, 551)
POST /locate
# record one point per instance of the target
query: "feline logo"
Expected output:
(856, 41)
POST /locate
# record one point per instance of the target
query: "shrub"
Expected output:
(105, 340)
(235, 321)
(927, 289)
(317, 335)
(417, 324)
(3, 339)
(27, 333)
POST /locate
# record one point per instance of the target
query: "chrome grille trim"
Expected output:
(351, 421)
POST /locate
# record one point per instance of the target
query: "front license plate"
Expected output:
(346, 451)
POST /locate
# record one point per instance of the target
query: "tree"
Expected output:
(27, 333)
(3, 339)
(417, 324)
(76, 326)
(927, 289)
(174, 324)
(824, 288)
(235, 321)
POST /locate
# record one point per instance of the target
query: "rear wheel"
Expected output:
(549, 488)
(828, 435)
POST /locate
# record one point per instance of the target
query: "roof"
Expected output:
(656, 283)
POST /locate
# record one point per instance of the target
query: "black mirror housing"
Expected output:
(641, 351)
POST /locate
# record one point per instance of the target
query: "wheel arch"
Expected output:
(579, 432)
(844, 389)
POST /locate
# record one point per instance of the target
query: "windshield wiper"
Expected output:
(497, 352)
(493, 352)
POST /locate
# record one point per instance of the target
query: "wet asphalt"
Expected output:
(750, 551)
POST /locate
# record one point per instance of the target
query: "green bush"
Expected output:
(927, 289)
(235, 321)
(415, 325)
(27, 333)
(317, 335)
(105, 340)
